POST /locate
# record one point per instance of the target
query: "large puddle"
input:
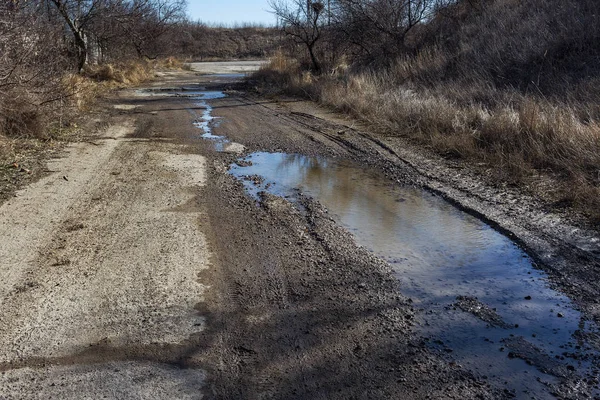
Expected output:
(507, 325)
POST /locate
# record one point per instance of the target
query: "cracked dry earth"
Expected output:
(140, 268)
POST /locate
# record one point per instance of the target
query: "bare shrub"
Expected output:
(19, 117)
(31, 62)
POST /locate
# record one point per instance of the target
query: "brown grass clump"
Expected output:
(82, 91)
(96, 80)
(285, 75)
(20, 116)
(171, 63)
(126, 74)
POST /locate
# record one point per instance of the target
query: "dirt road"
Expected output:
(138, 267)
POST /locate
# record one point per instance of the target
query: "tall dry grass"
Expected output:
(96, 80)
(519, 136)
(285, 74)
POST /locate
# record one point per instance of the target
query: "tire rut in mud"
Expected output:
(299, 311)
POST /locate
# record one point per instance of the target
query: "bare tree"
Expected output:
(107, 23)
(30, 47)
(78, 15)
(303, 20)
(379, 28)
(148, 20)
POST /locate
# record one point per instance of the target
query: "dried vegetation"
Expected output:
(512, 85)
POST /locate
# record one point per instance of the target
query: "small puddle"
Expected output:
(516, 327)
(207, 122)
(204, 121)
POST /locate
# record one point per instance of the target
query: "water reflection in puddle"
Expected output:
(439, 253)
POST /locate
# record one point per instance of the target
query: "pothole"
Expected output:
(477, 290)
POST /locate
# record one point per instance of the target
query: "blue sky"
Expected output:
(230, 11)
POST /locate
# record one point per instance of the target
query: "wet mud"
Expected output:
(474, 289)
(440, 254)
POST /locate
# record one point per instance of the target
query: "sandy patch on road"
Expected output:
(27, 220)
(126, 107)
(100, 265)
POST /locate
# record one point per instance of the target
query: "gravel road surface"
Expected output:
(139, 268)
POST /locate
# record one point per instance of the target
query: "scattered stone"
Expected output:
(482, 311)
(521, 348)
(256, 179)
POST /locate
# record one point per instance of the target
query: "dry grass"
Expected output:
(286, 75)
(127, 74)
(170, 63)
(96, 80)
(24, 114)
(20, 115)
(520, 136)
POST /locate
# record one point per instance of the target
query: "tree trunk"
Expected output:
(82, 52)
(78, 35)
(315, 63)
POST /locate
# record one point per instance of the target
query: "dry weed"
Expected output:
(83, 91)
(97, 80)
(279, 62)
(20, 116)
(522, 136)
(125, 74)
(171, 63)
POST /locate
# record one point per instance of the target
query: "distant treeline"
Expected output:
(199, 41)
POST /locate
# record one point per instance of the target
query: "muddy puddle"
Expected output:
(201, 110)
(482, 301)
